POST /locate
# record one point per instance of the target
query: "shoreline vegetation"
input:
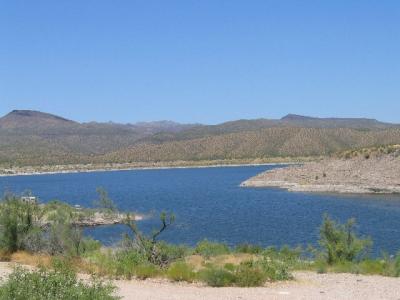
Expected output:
(93, 218)
(86, 168)
(363, 171)
(60, 251)
(77, 215)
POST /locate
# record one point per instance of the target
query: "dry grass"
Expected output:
(45, 260)
(29, 259)
(198, 262)
(4, 256)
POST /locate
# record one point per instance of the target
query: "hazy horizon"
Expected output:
(166, 120)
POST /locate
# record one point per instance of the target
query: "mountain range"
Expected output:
(35, 138)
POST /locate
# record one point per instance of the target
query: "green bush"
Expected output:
(248, 248)
(127, 261)
(217, 277)
(17, 221)
(321, 266)
(180, 271)
(119, 264)
(387, 266)
(372, 266)
(346, 267)
(170, 252)
(230, 267)
(340, 243)
(291, 257)
(146, 270)
(275, 269)
(53, 285)
(397, 265)
(104, 263)
(250, 274)
(207, 249)
(90, 245)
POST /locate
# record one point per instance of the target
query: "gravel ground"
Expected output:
(307, 286)
(377, 174)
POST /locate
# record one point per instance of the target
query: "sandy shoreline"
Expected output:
(140, 168)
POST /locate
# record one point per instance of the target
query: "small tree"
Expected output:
(17, 220)
(64, 233)
(149, 244)
(104, 202)
(340, 242)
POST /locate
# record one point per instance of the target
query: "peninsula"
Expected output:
(365, 171)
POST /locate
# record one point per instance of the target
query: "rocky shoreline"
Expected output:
(67, 169)
(99, 219)
(374, 173)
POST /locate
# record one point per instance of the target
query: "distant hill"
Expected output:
(356, 123)
(32, 137)
(290, 120)
(262, 143)
(28, 119)
(37, 138)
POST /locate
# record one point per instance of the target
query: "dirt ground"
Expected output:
(307, 285)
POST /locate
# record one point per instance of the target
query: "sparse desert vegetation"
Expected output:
(36, 141)
(59, 251)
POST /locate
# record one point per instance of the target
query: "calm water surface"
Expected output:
(208, 203)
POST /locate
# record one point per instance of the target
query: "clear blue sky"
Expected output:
(200, 61)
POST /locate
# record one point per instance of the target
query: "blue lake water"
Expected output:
(208, 203)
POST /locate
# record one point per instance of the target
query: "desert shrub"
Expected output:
(126, 262)
(293, 258)
(180, 271)
(156, 252)
(340, 243)
(104, 203)
(385, 265)
(286, 254)
(52, 285)
(21, 228)
(146, 270)
(17, 221)
(230, 267)
(397, 265)
(248, 248)
(276, 266)
(90, 245)
(170, 252)
(321, 266)
(118, 264)
(217, 277)
(62, 235)
(104, 263)
(207, 249)
(367, 266)
(276, 270)
(391, 265)
(372, 266)
(346, 267)
(34, 241)
(250, 274)
(4, 255)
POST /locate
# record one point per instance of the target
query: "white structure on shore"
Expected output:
(29, 199)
